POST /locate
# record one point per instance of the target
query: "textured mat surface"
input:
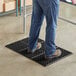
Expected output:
(21, 48)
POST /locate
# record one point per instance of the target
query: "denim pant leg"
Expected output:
(50, 8)
(51, 18)
(36, 22)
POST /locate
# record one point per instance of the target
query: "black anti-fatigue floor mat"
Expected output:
(21, 48)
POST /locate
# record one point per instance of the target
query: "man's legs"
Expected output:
(36, 21)
(51, 18)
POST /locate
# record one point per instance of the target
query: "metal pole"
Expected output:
(20, 7)
(24, 16)
(16, 7)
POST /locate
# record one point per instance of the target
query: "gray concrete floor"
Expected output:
(13, 64)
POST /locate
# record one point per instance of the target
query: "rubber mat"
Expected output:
(21, 48)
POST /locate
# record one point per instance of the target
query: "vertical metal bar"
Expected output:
(24, 16)
(16, 7)
(20, 7)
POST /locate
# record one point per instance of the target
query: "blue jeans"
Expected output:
(49, 9)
